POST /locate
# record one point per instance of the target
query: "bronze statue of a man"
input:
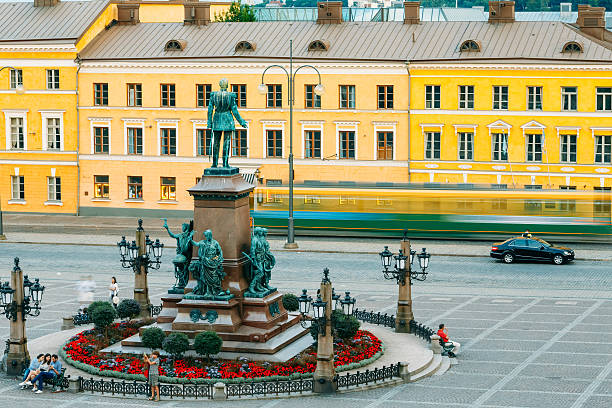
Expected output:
(222, 122)
(208, 269)
(183, 254)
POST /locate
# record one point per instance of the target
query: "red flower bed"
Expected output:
(83, 348)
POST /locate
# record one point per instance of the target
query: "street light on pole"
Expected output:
(319, 90)
(19, 90)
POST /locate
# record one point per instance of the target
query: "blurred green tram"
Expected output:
(446, 212)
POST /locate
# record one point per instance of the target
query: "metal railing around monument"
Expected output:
(112, 387)
(265, 388)
(416, 328)
(377, 375)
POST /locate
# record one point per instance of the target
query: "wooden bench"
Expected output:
(57, 381)
(447, 350)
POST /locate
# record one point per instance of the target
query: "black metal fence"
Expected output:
(375, 318)
(368, 376)
(421, 331)
(80, 319)
(155, 310)
(262, 389)
(112, 387)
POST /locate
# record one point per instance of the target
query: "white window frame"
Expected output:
(197, 124)
(466, 94)
(603, 162)
(132, 123)
(311, 125)
(501, 100)
(384, 127)
(272, 125)
(16, 113)
(433, 94)
(534, 127)
(499, 126)
(565, 94)
(561, 158)
(609, 95)
(51, 72)
(535, 95)
(54, 201)
(52, 114)
(167, 123)
(15, 77)
(425, 139)
(568, 130)
(18, 199)
(100, 122)
(346, 126)
(528, 145)
(248, 137)
(465, 129)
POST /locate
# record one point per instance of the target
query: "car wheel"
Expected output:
(558, 259)
(508, 258)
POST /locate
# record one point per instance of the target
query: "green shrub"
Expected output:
(345, 327)
(153, 337)
(176, 344)
(94, 305)
(207, 343)
(290, 302)
(102, 315)
(128, 309)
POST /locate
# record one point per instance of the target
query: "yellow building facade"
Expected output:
(403, 103)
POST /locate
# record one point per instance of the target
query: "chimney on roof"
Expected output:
(196, 13)
(127, 13)
(412, 12)
(45, 3)
(592, 20)
(330, 12)
(501, 12)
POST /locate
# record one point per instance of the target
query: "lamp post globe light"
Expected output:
(141, 255)
(322, 309)
(18, 299)
(402, 269)
(319, 90)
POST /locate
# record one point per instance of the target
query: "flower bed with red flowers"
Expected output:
(82, 351)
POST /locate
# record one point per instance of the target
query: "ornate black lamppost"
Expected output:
(402, 270)
(19, 299)
(141, 255)
(325, 371)
(319, 90)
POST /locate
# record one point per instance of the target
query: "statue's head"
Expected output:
(208, 234)
(185, 227)
(257, 231)
(264, 232)
(223, 84)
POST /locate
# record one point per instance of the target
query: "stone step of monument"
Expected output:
(444, 366)
(421, 364)
(429, 370)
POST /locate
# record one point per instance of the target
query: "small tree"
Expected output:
(176, 344)
(128, 309)
(94, 305)
(290, 302)
(237, 12)
(102, 316)
(207, 343)
(346, 326)
(153, 337)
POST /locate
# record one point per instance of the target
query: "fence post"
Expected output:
(219, 391)
(74, 385)
(67, 323)
(404, 371)
(435, 344)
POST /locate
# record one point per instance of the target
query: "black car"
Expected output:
(531, 249)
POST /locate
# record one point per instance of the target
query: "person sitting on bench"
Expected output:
(443, 334)
(34, 364)
(55, 370)
(44, 365)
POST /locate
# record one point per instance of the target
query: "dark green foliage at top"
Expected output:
(290, 302)
(343, 326)
(102, 315)
(176, 344)
(94, 305)
(128, 309)
(207, 343)
(153, 337)
(237, 12)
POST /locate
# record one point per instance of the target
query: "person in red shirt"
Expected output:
(443, 334)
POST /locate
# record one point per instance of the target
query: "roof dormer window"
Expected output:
(175, 45)
(245, 46)
(571, 47)
(470, 46)
(318, 45)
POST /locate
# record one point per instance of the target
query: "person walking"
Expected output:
(443, 334)
(153, 362)
(114, 292)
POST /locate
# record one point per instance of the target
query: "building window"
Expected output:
(241, 95)
(274, 97)
(204, 140)
(385, 146)
(134, 139)
(604, 99)
(134, 188)
(385, 96)
(534, 98)
(347, 144)
(53, 79)
(134, 94)
(101, 94)
(500, 97)
(312, 100)
(54, 135)
(466, 96)
(239, 143)
(17, 133)
(17, 187)
(534, 148)
(168, 141)
(603, 149)
(567, 187)
(203, 95)
(569, 98)
(101, 140)
(500, 146)
(54, 189)
(312, 144)
(432, 96)
(347, 97)
(466, 145)
(16, 78)
(568, 148)
(432, 145)
(275, 143)
(168, 189)
(101, 187)
(168, 95)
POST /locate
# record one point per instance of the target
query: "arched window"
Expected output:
(318, 45)
(175, 45)
(572, 46)
(245, 46)
(470, 46)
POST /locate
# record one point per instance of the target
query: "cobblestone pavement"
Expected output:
(532, 335)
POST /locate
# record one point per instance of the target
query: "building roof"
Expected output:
(21, 21)
(390, 41)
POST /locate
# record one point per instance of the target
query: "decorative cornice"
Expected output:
(501, 66)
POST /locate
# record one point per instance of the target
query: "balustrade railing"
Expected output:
(366, 377)
(112, 387)
(375, 318)
(264, 388)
